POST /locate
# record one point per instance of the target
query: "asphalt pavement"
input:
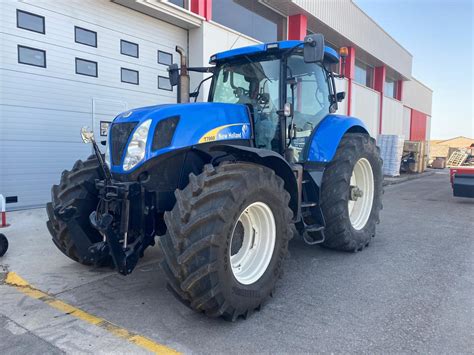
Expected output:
(410, 291)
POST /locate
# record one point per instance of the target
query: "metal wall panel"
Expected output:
(366, 105)
(351, 22)
(418, 96)
(43, 109)
(392, 116)
(406, 122)
(341, 86)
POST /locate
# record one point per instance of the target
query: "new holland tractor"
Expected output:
(224, 185)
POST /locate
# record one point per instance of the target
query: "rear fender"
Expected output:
(267, 158)
(326, 137)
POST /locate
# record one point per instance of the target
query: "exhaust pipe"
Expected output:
(184, 81)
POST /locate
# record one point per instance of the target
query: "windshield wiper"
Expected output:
(259, 69)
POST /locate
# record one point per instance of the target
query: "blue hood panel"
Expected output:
(198, 123)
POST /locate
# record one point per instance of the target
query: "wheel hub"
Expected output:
(355, 193)
(252, 243)
(361, 194)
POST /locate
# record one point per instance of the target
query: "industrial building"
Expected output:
(68, 64)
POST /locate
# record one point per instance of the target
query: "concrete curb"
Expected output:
(406, 177)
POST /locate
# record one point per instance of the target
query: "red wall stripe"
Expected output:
(349, 72)
(379, 84)
(297, 27)
(399, 96)
(418, 122)
(202, 8)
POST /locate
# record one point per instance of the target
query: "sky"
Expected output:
(439, 35)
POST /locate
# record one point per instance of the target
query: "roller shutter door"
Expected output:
(68, 64)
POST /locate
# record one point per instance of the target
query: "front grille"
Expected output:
(119, 134)
(164, 131)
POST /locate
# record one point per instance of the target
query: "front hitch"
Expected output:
(125, 260)
(121, 218)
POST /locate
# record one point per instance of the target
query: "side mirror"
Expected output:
(340, 96)
(87, 135)
(313, 50)
(173, 71)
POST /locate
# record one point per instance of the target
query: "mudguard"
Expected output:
(269, 159)
(327, 135)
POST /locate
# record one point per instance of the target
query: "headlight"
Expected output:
(107, 149)
(136, 147)
(107, 154)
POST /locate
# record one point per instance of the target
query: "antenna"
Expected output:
(233, 44)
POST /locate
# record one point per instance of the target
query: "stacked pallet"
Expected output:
(391, 150)
(420, 153)
(457, 158)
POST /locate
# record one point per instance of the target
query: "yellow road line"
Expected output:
(21, 285)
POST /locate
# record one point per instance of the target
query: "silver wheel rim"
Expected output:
(361, 194)
(256, 233)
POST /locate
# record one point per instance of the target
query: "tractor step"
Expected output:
(308, 204)
(314, 234)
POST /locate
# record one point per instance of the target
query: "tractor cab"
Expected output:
(287, 94)
(287, 86)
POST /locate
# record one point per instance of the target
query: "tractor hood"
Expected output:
(176, 126)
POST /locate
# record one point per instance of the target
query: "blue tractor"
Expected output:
(224, 185)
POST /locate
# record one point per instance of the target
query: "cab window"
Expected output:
(255, 84)
(308, 89)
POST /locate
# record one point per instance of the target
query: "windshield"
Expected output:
(255, 84)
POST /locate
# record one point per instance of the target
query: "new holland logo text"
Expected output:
(232, 131)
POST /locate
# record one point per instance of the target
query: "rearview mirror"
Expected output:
(340, 96)
(313, 50)
(173, 71)
(87, 135)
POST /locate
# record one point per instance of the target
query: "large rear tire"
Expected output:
(226, 239)
(76, 189)
(351, 193)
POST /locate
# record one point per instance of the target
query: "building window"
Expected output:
(129, 76)
(32, 56)
(129, 48)
(165, 58)
(336, 67)
(364, 74)
(164, 83)
(249, 17)
(29, 21)
(86, 67)
(180, 3)
(83, 36)
(390, 87)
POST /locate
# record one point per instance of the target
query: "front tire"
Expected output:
(351, 193)
(226, 239)
(76, 189)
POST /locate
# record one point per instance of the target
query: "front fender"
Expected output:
(271, 160)
(327, 135)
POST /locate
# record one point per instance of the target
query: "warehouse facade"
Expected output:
(70, 64)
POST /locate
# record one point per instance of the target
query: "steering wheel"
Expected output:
(239, 92)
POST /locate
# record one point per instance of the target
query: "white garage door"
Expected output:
(66, 64)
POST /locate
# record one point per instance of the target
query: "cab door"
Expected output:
(308, 89)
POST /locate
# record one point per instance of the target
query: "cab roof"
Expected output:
(330, 55)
